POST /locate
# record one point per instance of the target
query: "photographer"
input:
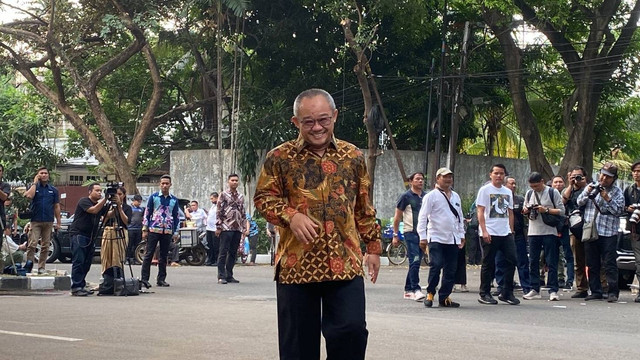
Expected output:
(539, 200)
(632, 205)
(606, 201)
(5, 191)
(114, 235)
(577, 183)
(82, 231)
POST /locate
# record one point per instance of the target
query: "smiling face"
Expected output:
(315, 119)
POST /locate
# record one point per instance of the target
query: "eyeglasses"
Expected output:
(309, 123)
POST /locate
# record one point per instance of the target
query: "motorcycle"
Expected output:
(192, 247)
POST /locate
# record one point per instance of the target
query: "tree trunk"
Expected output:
(526, 121)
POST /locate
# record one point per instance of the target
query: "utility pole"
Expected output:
(457, 101)
(428, 132)
(443, 55)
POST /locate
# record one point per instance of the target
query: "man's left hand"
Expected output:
(373, 266)
(462, 242)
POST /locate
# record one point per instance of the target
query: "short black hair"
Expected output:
(194, 201)
(637, 163)
(501, 166)
(91, 186)
(233, 175)
(584, 172)
(214, 194)
(42, 168)
(165, 176)
(137, 197)
(558, 176)
(535, 177)
(414, 175)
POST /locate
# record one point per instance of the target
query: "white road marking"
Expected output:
(52, 337)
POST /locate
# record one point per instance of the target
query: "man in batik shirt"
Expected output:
(316, 189)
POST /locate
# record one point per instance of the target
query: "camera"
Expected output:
(597, 189)
(111, 189)
(635, 216)
(578, 178)
(533, 213)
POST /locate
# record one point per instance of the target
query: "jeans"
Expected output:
(153, 239)
(82, 248)
(568, 255)
(444, 257)
(461, 267)
(551, 244)
(337, 308)
(602, 251)
(229, 242)
(214, 247)
(506, 245)
(415, 257)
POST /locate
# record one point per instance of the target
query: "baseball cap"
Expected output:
(443, 171)
(609, 169)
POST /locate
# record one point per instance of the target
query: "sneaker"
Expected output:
(222, 281)
(409, 295)
(487, 299)
(428, 301)
(509, 299)
(448, 303)
(532, 295)
(612, 298)
(568, 285)
(464, 289)
(496, 292)
(419, 295)
(561, 283)
(41, 271)
(580, 295)
(553, 296)
(80, 292)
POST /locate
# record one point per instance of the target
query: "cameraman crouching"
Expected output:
(82, 232)
(607, 200)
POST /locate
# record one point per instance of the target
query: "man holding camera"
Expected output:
(542, 199)
(577, 183)
(632, 205)
(82, 231)
(605, 201)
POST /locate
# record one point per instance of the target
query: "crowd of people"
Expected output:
(315, 191)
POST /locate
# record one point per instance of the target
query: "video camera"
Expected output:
(111, 189)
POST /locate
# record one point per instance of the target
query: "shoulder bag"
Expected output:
(557, 221)
(589, 229)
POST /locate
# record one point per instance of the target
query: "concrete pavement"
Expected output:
(197, 318)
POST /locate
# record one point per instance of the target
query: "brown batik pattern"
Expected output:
(333, 191)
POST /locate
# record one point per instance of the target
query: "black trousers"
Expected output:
(153, 239)
(135, 236)
(214, 247)
(229, 242)
(597, 253)
(461, 268)
(337, 308)
(507, 245)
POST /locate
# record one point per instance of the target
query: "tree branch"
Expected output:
(160, 119)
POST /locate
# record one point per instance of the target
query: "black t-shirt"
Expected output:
(518, 218)
(127, 211)
(84, 223)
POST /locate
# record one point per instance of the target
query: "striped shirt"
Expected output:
(608, 221)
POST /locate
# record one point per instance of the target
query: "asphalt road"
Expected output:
(196, 318)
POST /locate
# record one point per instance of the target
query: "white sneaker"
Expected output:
(463, 288)
(419, 295)
(409, 295)
(553, 296)
(532, 295)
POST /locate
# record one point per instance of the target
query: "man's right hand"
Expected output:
(303, 228)
(486, 237)
(395, 241)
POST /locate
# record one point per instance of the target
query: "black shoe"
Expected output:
(428, 300)
(145, 283)
(448, 303)
(163, 283)
(637, 299)
(612, 298)
(561, 284)
(509, 299)
(593, 297)
(487, 299)
(222, 281)
(580, 295)
(496, 292)
(232, 281)
(80, 292)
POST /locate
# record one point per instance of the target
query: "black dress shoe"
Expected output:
(162, 283)
(580, 295)
(222, 281)
(593, 297)
(232, 281)
(145, 283)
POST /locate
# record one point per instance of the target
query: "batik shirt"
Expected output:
(230, 215)
(161, 214)
(333, 191)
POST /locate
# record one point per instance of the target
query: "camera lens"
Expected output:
(579, 178)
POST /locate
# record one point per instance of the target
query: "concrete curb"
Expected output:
(35, 283)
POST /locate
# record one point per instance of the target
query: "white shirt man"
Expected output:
(212, 240)
(440, 224)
